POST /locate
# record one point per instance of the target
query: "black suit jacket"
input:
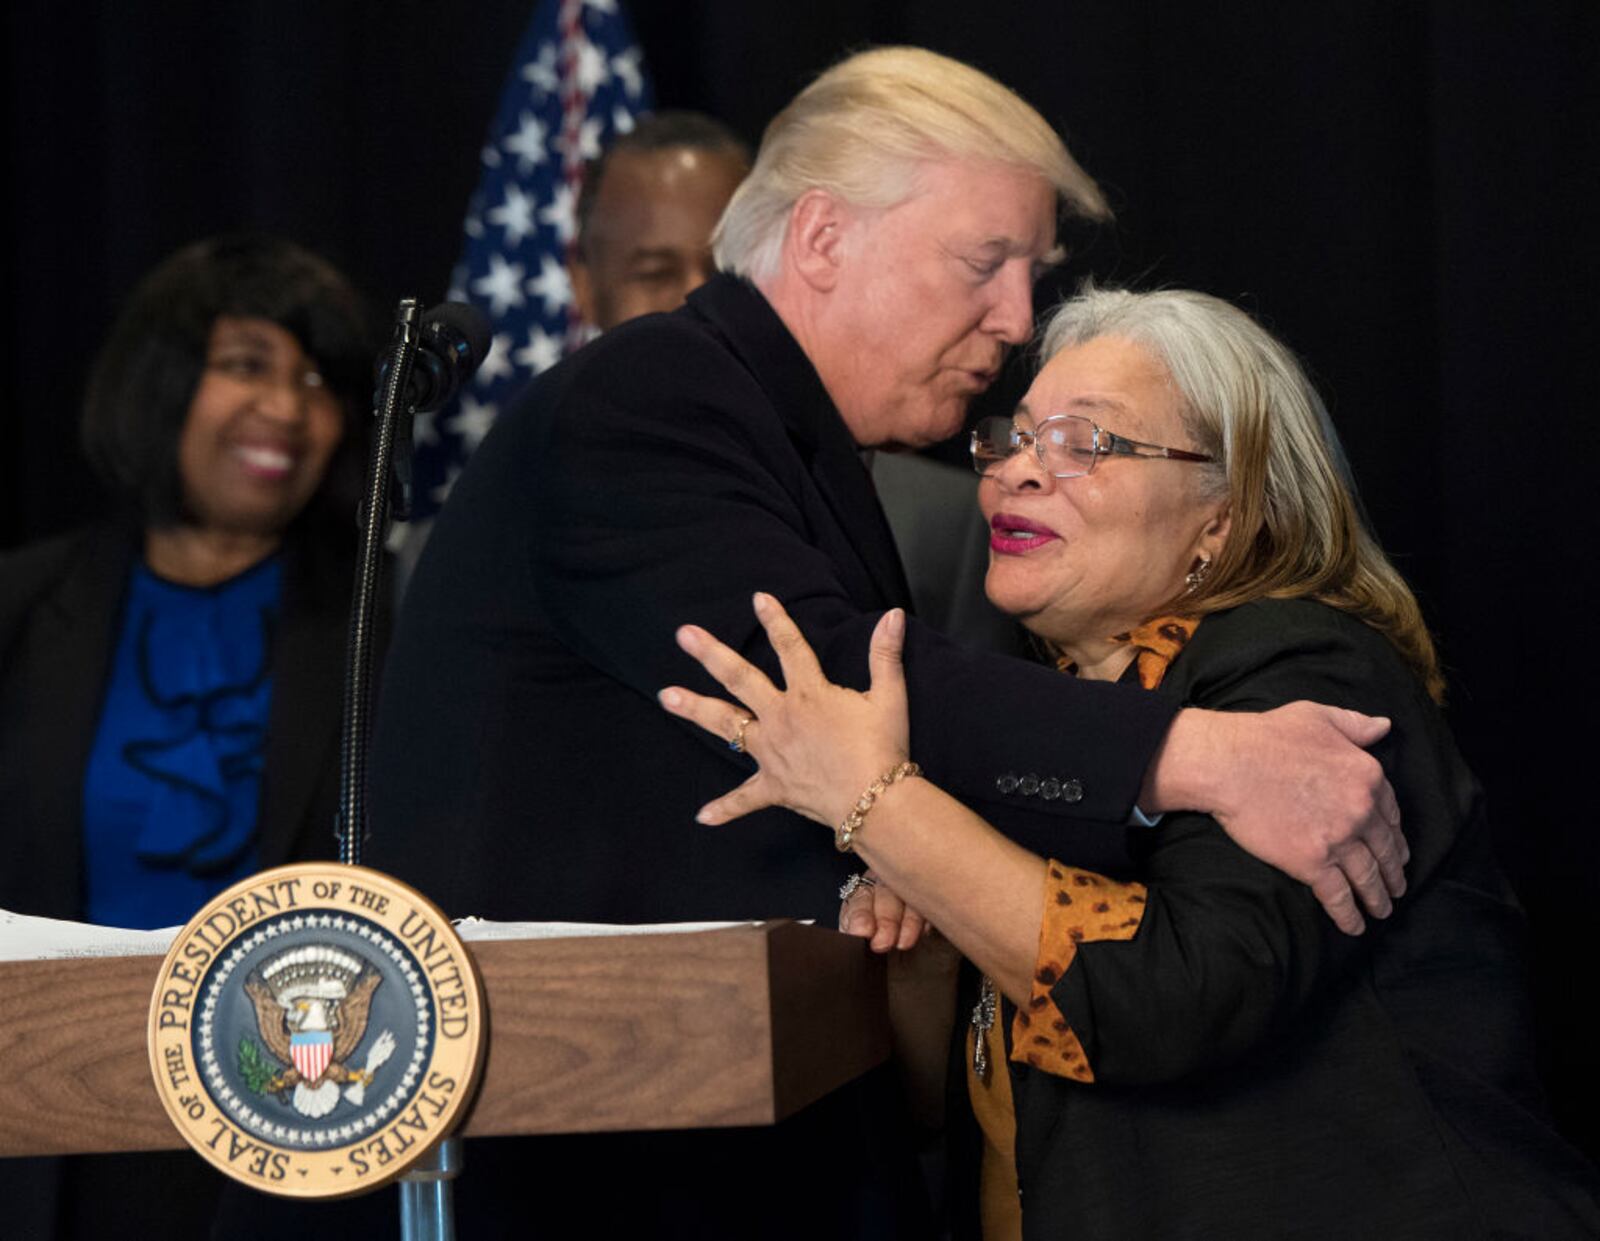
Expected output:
(1259, 1074)
(522, 767)
(60, 604)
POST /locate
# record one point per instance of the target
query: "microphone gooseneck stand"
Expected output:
(427, 1208)
(395, 374)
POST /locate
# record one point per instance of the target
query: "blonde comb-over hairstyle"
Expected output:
(861, 130)
(1296, 528)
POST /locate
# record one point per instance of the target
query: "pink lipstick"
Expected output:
(1011, 535)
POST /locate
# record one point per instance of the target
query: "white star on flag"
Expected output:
(626, 67)
(502, 286)
(592, 70)
(515, 215)
(552, 284)
(540, 353)
(422, 429)
(589, 138)
(441, 493)
(542, 73)
(474, 421)
(498, 364)
(528, 143)
(559, 215)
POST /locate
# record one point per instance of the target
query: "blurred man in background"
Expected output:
(645, 216)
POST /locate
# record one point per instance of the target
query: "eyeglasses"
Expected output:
(1067, 445)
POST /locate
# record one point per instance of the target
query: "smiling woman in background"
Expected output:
(1185, 1047)
(170, 678)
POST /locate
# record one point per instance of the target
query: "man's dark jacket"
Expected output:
(522, 767)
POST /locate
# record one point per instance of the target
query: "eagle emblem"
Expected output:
(311, 1005)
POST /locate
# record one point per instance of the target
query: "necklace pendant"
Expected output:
(982, 1022)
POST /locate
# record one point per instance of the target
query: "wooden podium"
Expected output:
(736, 1026)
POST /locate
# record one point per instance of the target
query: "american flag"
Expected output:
(578, 81)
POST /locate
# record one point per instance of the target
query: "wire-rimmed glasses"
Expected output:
(1067, 445)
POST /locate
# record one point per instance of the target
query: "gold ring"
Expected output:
(736, 743)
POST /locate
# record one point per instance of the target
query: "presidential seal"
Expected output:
(316, 1029)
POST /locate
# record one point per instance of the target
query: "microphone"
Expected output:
(453, 340)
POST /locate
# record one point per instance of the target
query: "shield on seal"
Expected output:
(311, 1051)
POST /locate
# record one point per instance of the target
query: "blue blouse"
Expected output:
(173, 787)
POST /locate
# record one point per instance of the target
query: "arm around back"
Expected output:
(1230, 949)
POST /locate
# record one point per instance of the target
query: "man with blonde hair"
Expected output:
(862, 132)
(877, 264)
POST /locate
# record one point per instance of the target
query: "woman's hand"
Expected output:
(922, 988)
(874, 911)
(818, 744)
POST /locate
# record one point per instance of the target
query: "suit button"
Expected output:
(1006, 783)
(1050, 789)
(1071, 790)
(1028, 785)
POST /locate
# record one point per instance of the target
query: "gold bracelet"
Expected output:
(844, 836)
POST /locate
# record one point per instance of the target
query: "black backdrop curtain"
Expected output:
(1403, 190)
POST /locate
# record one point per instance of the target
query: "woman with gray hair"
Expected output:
(1174, 1041)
